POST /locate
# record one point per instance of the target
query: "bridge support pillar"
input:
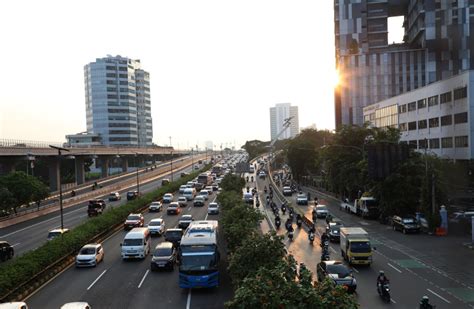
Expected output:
(79, 169)
(54, 176)
(104, 166)
(7, 166)
(124, 164)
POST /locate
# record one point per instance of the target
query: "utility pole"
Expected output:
(433, 195)
(60, 186)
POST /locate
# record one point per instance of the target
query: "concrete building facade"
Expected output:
(278, 114)
(437, 118)
(118, 104)
(437, 45)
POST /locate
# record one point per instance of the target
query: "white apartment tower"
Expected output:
(118, 105)
(278, 114)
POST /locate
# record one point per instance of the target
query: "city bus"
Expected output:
(217, 169)
(205, 179)
(198, 256)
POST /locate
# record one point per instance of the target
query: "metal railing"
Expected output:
(18, 143)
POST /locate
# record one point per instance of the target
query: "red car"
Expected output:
(134, 220)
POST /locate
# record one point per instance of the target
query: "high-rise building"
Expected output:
(118, 105)
(278, 114)
(437, 45)
(209, 145)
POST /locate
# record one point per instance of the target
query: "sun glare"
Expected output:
(335, 78)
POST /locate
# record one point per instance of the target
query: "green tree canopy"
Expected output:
(23, 189)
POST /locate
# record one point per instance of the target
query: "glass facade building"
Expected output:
(118, 104)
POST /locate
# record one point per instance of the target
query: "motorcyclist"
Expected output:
(265, 189)
(283, 208)
(328, 218)
(381, 280)
(73, 193)
(311, 232)
(299, 220)
(315, 200)
(425, 303)
(247, 178)
(315, 215)
(277, 221)
(324, 238)
(251, 179)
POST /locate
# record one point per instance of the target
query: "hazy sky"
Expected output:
(215, 66)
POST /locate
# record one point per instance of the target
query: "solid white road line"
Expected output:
(92, 284)
(439, 296)
(393, 301)
(16, 244)
(355, 269)
(332, 249)
(394, 267)
(188, 302)
(143, 279)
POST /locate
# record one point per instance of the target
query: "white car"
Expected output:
(14, 305)
(321, 211)
(76, 305)
(167, 198)
(182, 188)
(302, 199)
(209, 189)
(56, 233)
(90, 255)
(204, 193)
(213, 209)
(182, 201)
(157, 226)
(155, 206)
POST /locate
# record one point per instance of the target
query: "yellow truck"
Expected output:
(355, 245)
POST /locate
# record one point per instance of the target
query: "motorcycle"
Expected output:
(325, 244)
(325, 255)
(384, 291)
(299, 222)
(311, 237)
(277, 223)
(290, 235)
(265, 190)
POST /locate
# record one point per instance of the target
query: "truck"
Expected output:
(366, 207)
(355, 245)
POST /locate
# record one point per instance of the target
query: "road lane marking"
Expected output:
(394, 267)
(143, 279)
(364, 223)
(16, 244)
(355, 269)
(393, 301)
(332, 249)
(439, 296)
(188, 302)
(92, 284)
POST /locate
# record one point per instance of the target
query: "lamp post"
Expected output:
(59, 149)
(171, 169)
(136, 164)
(192, 160)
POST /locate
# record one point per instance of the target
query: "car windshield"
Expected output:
(87, 251)
(113, 194)
(167, 195)
(408, 220)
(155, 223)
(212, 205)
(133, 218)
(53, 234)
(132, 242)
(163, 252)
(186, 217)
(360, 247)
(130, 193)
(321, 208)
(301, 196)
(338, 269)
(197, 262)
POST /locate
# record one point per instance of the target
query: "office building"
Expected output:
(209, 145)
(436, 46)
(118, 105)
(437, 118)
(278, 114)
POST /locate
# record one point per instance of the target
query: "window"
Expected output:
(402, 127)
(110, 82)
(412, 126)
(422, 124)
(447, 142)
(123, 75)
(423, 143)
(460, 141)
(111, 75)
(432, 101)
(412, 106)
(447, 120)
(413, 144)
(434, 122)
(123, 69)
(110, 67)
(434, 143)
(460, 118)
(123, 82)
(421, 103)
(460, 93)
(111, 96)
(402, 109)
(445, 97)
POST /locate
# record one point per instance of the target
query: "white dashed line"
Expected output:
(439, 296)
(332, 249)
(92, 284)
(355, 269)
(393, 301)
(143, 279)
(16, 244)
(394, 267)
(188, 302)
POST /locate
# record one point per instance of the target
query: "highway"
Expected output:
(408, 260)
(115, 283)
(31, 234)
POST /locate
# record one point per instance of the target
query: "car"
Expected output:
(182, 188)
(333, 229)
(213, 209)
(114, 196)
(339, 273)
(76, 305)
(302, 199)
(215, 186)
(168, 198)
(95, 207)
(155, 206)
(157, 226)
(321, 211)
(199, 201)
(196, 167)
(164, 256)
(90, 255)
(184, 174)
(287, 191)
(204, 193)
(174, 236)
(56, 233)
(99, 202)
(185, 221)
(262, 175)
(6, 251)
(131, 195)
(165, 182)
(209, 189)
(182, 201)
(406, 224)
(173, 208)
(248, 198)
(134, 220)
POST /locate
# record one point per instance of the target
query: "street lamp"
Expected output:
(171, 149)
(138, 182)
(30, 158)
(59, 149)
(192, 160)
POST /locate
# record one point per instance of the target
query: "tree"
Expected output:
(7, 200)
(232, 183)
(255, 147)
(23, 188)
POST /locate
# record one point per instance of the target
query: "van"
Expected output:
(189, 193)
(136, 243)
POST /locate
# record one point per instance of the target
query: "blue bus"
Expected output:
(199, 256)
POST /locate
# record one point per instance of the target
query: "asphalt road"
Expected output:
(397, 254)
(115, 283)
(31, 234)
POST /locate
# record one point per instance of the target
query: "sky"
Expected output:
(216, 67)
